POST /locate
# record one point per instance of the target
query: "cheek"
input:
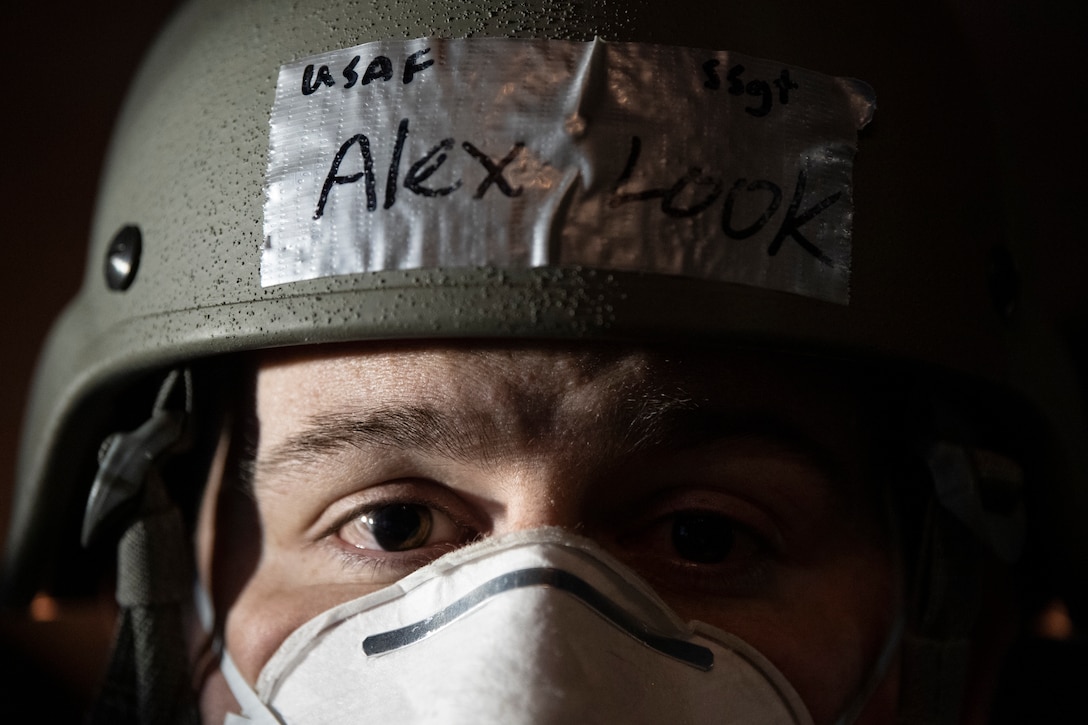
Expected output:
(834, 636)
(824, 628)
(274, 603)
(262, 617)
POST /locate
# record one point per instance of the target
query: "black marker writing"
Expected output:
(790, 228)
(755, 87)
(309, 85)
(380, 68)
(349, 74)
(413, 66)
(690, 195)
(758, 224)
(694, 177)
(784, 85)
(420, 172)
(494, 170)
(668, 196)
(334, 179)
(713, 81)
(394, 165)
(791, 225)
(619, 198)
(736, 85)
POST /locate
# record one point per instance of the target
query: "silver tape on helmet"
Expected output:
(437, 153)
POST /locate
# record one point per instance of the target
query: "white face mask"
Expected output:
(534, 627)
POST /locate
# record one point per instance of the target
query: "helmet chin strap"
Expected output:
(881, 666)
(974, 512)
(941, 619)
(148, 676)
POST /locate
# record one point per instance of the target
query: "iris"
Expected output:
(399, 527)
(702, 538)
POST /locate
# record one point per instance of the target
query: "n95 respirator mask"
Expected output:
(534, 627)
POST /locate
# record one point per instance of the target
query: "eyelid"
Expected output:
(418, 492)
(748, 570)
(380, 567)
(782, 490)
(733, 505)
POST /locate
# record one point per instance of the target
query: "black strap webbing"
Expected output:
(940, 627)
(148, 679)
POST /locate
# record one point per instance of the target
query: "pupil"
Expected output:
(702, 538)
(400, 526)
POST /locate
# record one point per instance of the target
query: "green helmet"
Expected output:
(175, 262)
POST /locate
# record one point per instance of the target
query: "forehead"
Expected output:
(536, 390)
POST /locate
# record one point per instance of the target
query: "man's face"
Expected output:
(734, 483)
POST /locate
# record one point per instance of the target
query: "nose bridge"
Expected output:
(545, 490)
(561, 428)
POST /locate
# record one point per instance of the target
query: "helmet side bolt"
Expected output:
(123, 258)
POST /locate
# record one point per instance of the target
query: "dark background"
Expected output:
(66, 67)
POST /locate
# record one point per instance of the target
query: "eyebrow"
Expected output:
(471, 436)
(425, 428)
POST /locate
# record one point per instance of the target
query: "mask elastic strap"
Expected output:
(254, 712)
(894, 639)
(878, 672)
(974, 512)
(937, 644)
(148, 676)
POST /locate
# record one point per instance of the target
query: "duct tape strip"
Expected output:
(435, 153)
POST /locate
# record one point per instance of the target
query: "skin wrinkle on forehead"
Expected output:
(636, 402)
(593, 412)
(467, 436)
(470, 437)
(489, 412)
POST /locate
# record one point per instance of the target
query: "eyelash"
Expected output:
(396, 563)
(757, 536)
(746, 578)
(642, 542)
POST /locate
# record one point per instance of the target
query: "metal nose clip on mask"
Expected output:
(535, 627)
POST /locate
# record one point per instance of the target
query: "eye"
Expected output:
(400, 527)
(703, 538)
(701, 543)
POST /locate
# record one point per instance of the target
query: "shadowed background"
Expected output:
(67, 65)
